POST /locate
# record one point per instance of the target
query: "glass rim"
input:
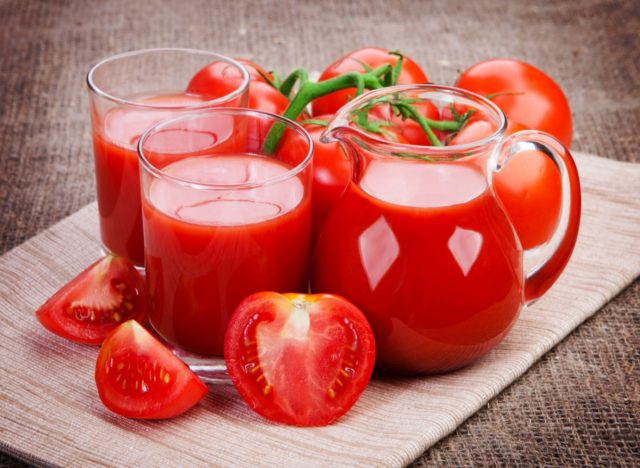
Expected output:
(233, 111)
(443, 151)
(132, 53)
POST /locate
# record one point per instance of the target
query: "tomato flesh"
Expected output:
(299, 359)
(138, 377)
(106, 294)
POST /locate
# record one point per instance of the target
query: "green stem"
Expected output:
(424, 123)
(287, 85)
(318, 122)
(444, 125)
(308, 91)
(276, 79)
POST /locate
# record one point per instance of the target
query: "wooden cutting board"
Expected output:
(50, 409)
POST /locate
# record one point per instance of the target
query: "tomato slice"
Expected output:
(139, 378)
(106, 294)
(299, 359)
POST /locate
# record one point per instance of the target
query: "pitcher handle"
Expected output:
(543, 264)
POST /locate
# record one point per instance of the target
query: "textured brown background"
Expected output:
(581, 403)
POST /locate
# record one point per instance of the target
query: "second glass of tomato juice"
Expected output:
(226, 213)
(128, 93)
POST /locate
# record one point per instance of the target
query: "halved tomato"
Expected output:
(299, 359)
(106, 294)
(140, 378)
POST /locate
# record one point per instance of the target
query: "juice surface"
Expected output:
(429, 256)
(208, 250)
(115, 140)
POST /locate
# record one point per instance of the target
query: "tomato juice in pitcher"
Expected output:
(422, 245)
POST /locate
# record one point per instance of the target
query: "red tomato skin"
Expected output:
(215, 80)
(529, 185)
(53, 313)
(283, 404)
(375, 57)
(409, 130)
(533, 98)
(530, 189)
(264, 97)
(475, 129)
(331, 173)
(130, 343)
(256, 72)
(220, 78)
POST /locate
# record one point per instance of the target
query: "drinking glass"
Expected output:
(226, 213)
(129, 93)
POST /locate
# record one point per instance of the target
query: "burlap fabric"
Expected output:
(580, 403)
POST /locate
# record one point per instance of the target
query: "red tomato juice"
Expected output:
(429, 255)
(206, 250)
(115, 140)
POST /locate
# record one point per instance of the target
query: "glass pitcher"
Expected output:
(419, 240)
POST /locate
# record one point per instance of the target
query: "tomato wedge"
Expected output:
(299, 359)
(106, 294)
(140, 378)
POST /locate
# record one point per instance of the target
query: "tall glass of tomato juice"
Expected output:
(129, 93)
(224, 216)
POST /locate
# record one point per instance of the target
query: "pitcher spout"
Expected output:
(337, 129)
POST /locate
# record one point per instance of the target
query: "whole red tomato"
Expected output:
(529, 185)
(264, 97)
(215, 80)
(530, 188)
(299, 359)
(220, 78)
(256, 72)
(525, 94)
(358, 60)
